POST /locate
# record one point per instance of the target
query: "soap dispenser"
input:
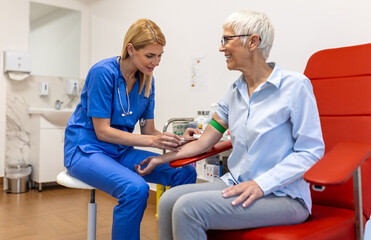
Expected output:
(72, 87)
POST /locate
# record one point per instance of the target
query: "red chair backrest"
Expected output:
(341, 79)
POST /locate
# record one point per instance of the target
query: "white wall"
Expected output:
(14, 36)
(14, 27)
(195, 27)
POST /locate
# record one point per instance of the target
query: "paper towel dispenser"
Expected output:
(15, 61)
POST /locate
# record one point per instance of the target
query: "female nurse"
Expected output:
(118, 93)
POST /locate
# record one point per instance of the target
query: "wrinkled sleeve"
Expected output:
(308, 146)
(223, 107)
(149, 113)
(100, 93)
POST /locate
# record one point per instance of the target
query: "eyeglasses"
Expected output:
(225, 39)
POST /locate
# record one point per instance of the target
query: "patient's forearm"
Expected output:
(207, 140)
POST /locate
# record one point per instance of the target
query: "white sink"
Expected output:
(54, 116)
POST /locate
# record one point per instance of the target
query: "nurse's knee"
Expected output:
(191, 171)
(136, 191)
(188, 174)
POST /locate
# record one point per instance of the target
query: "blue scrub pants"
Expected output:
(118, 178)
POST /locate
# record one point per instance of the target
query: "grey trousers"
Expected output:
(186, 212)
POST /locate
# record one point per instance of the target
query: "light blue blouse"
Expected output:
(276, 134)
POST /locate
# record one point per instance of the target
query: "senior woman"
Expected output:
(99, 143)
(276, 136)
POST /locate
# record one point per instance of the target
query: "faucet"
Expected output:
(58, 104)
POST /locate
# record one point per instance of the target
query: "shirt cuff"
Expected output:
(265, 184)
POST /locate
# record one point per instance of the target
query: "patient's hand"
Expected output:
(248, 192)
(151, 165)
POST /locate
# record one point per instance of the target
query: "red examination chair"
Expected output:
(341, 180)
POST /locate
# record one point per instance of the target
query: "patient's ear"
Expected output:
(254, 40)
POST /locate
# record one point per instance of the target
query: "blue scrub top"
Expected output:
(99, 98)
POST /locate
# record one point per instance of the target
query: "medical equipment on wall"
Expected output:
(128, 112)
(72, 87)
(17, 64)
(44, 89)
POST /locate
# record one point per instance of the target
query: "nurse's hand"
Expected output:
(190, 132)
(248, 192)
(167, 141)
(151, 164)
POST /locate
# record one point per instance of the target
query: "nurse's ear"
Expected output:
(130, 48)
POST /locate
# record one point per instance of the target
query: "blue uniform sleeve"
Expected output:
(100, 93)
(149, 113)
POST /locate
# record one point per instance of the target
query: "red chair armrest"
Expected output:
(218, 148)
(338, 165)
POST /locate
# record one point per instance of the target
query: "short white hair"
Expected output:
(252, 22)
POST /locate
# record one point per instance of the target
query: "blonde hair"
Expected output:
(143, 32)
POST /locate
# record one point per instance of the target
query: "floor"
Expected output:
(59, 213)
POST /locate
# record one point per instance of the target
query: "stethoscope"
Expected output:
(124, 113)
(128, 112)
(142, 121)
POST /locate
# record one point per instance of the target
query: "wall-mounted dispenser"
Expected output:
(17, 64)
(44, 89)
(72, 87)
